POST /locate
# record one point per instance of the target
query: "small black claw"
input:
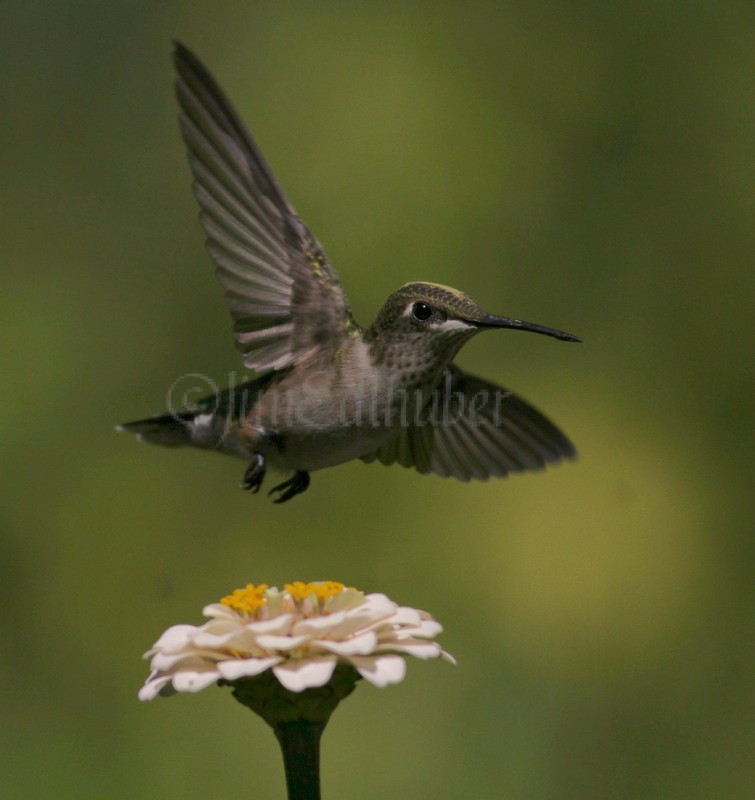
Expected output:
(254, 474)
(291, 487)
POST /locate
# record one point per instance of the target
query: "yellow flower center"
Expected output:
(246, 600)
(249, 600)
(322, 590)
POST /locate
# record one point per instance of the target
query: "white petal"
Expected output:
(240, 639)
(315, 626)
(406, 616)
(418, 649)
(283, 643)
(276, 625)
(428, 628)
(165, 662)
(357, 645)
(246, 667)
(221, 626)
(220, 611)
(153, 685)
(194, 681)
(212, 641)
(344, 601)
(376, 598)
(175, 638)
(358, 620)
(375, 620)
(219, 635)
(380, 670)
(299, 675)
(377, 608)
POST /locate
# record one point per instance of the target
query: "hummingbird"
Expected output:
(327, 390)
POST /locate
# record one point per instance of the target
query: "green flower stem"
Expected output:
(300, 745)
(298, 719)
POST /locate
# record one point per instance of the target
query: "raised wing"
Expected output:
(283, 294)
(474, 429)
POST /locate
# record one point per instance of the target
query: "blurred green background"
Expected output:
(586, 165)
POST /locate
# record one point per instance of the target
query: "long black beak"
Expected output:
(491, 321)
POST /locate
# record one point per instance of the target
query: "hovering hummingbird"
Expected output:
(331, 391)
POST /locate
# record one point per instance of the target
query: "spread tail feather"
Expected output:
(169, 430)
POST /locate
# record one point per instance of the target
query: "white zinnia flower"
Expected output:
(300, 634)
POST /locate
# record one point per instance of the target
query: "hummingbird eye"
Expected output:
(422, 311)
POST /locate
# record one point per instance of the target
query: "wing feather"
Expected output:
(473, 429)
(284, 296)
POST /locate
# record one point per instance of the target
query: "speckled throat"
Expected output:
(414, 358)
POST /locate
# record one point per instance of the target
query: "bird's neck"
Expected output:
(415, 359)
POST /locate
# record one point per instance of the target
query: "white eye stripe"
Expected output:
(455, 325)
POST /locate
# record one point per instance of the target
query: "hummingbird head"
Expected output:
(426, 324)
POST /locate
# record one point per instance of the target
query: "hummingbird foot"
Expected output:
(254, 475)
(291, 487)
